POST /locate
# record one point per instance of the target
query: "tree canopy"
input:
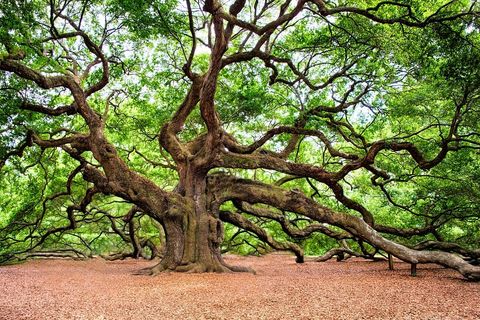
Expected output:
(185, 129)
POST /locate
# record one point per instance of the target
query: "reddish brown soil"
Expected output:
(282, 289)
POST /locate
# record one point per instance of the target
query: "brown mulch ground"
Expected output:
(282, 289)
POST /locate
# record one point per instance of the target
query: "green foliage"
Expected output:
(415, 77)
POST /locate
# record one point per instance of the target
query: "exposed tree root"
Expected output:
(49, 254)
(344, 253)
(195, 267)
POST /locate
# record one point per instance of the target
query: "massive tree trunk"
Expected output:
(192, 244)
(193, 235)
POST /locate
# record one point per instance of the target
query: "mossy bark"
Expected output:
(193, 237)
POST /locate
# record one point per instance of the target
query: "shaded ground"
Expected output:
(281, 289)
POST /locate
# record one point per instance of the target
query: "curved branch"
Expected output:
(449, 247)
(50, 82)
(93, 48)
(227, 188)
(68, 110)
(44, 82)
(271, 25)
(168, 134)
(243, 223)
(411, 22)
(234, 147)
(287, 225)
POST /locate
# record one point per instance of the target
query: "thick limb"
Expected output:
(256, 192)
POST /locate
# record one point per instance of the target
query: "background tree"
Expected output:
(287, 120)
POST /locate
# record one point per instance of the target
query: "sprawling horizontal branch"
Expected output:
(56, 254)
(44, 82)
(447, 246)
(266, 161)
(227, 188)
(240, 158)
(408, 20)
(50, 82)
(269, 58)
(68, 110)
(236, 148)
(140, 191)
(287, 226)
(76, 139)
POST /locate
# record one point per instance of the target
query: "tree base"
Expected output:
(196, 267)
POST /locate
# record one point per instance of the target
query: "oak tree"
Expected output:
(285, 119)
